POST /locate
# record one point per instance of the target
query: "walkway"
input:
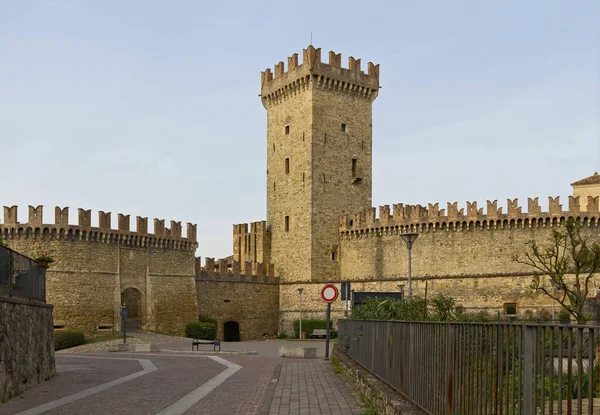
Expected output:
(181, 382)
(312, 388)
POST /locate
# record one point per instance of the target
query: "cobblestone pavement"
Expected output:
(312, 387)
(164, 383)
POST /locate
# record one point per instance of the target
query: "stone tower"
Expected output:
(319, 132)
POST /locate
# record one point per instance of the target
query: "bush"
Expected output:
(206, 319)
(309, 325)
(201, 330)
(63, 339)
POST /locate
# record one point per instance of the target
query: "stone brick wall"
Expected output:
(26, 345)
(306, 107)
(252, 302)
(95, 265)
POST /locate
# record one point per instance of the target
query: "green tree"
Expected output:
(570, 261)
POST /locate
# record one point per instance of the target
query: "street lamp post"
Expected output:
(300, 331)
(409, 238)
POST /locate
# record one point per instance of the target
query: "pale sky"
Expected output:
(151, 108)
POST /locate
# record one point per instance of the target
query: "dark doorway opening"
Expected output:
(231, 331)
(132, 298)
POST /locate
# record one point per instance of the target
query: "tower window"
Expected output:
(287, 129)
(287, 223)
(343, 128)
(354, 162)
(333, 255)
(287, 165)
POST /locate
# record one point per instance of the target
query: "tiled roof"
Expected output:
(593, 179)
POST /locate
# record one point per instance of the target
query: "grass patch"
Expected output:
(100, 339)
(336, 365)
(369, 409)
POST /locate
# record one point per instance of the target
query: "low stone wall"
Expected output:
(26, 345)
(384, 399)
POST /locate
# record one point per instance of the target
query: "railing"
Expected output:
(482, 368)
(21, 276)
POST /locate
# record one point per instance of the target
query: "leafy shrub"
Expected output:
(309, 325)
(205, 319)
(283, 335)
(201, 330)
(63, 339)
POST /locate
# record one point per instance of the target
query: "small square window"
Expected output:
(287, 129)
(510, 309)
(343, 128)
(287, 223)
(287, 165)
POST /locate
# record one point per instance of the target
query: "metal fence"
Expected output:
(482, 368)
(21, 276)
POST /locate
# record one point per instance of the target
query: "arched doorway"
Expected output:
(231, 331)
(132, 298)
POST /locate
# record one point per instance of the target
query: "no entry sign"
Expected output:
(329, 293)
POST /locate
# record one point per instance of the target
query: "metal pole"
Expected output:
(327, 335)
(300, 332)
(409, 271)
(553, 316)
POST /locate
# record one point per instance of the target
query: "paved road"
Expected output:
(185, 383)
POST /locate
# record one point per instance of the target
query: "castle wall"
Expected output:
(252, 302)
(95, 265)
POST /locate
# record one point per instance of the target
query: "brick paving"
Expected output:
(312, 387)
(265, 384)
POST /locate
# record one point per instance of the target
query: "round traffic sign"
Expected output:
(329, 293)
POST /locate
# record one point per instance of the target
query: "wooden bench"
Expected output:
(197, 342)
(320, 333)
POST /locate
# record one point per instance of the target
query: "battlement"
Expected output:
(222, 270)
(251, 245)
(312, 73)
(417, 218)
(164, 237)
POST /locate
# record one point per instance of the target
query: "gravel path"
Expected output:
(139, 338)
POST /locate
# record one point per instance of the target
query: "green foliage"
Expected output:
(568, 261)
(309, 325)
(564, 316)
(337, 366)
(440, 308)
(63, 339)
(205, 319)
(412, 309)
(3, 243)
(443, 308)
(44, 257)
(201, 330)
(283, 335)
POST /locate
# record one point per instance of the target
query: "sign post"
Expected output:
(329, 294)
(124, 324)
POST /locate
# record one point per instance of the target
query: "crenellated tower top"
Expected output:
(279, 84)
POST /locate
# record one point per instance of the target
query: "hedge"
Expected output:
(201, 330)
(309, 325)
(206, 319)
(63, 339)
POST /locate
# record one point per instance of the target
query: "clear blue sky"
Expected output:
(151, 107)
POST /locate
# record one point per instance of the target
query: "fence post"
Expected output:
(449, 367)
(528, 349)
